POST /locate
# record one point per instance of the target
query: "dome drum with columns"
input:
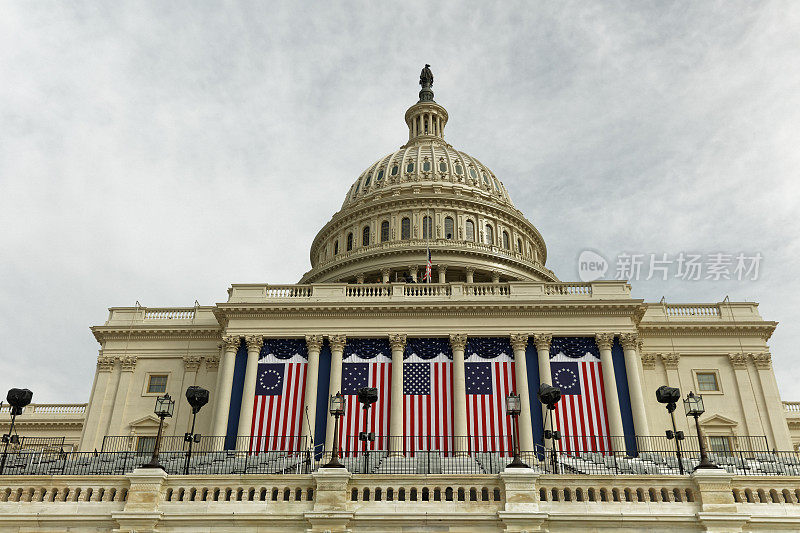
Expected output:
(428, 195)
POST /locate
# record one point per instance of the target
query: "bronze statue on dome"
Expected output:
(426, 77)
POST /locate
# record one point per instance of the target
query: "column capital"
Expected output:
(441, 268)
(763, 361)
(648, 360)
(212, 362)
(604, 340)
(458, 341)
(231, 342)
(629, 341)
(105, 363)
(192, 362)
(385, 271)
(542, 340)
(128, 362)
(519, 341)
(471, 270)
(314, 342)
(337, 341)
(738, 360)
(397, 341)
(670, 360)
(254, 343)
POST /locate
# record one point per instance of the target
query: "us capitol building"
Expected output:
(429, 288)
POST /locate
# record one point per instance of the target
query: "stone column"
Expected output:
(604, 342)
(98, 405)
(337, 343)
(442, 269)
(360, 279)
(470, 275)
(458, 342)
(309, 415)
(745, 390)
(629, 343)
(772, 401)
(412, 271)
(222, 404)
(519, 342)
(119, 417)
(254, 344)
(385, 274)
(396, 433)
(495, 276)
(542, 342)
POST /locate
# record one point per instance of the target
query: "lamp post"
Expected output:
(514, 408)
(550, 396)
(337, 410)
(670, 396)
(694, 407)
(165, 405)
(367, 396)
(197, 398)
(17, 398)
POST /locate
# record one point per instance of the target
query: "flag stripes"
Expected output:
(428, 415)
(488, 425)
(354, 376)
(583, 418)
(277, 411)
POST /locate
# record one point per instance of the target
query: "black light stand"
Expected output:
(367, 396)
(694, 407)
(337, 410)
(17, 398)
(514, 408)
(164, 408)
(670, 396)
(550, 396)
(197, 398)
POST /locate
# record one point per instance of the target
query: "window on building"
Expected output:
(380, 175)
(145, 445)
(485, 179)
(405, 228)
(410, 167)
(470, 230)
(473, 174)
(368, 180)
(427, 227)
(442, 166)
(358, 186)
(365, 236)
(395, 170)
(157, 384)
(459, 170)
(707, 381)
(426, 166)
(449, 228)
(719, 444)
(384, 231)
(519, 246)
(349, 241)
(336, 247)
(489, 234)
(506, 242)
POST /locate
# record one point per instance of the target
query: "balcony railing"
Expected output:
(49, 409)
(791, 407)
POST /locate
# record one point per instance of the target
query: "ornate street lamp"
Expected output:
(197, 398)
(165, 405)
(694, 407)
(550, 396)
(17, 398)
(337, 410)
(670, 396)
(514, 408)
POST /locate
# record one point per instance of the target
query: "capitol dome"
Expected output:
(428, 196)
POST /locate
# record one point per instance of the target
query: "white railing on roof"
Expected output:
(289, 291)
(487, 289)
(568, 289)
(427, 289)
(50, 409)
(791, 407)
(692, 310)
(184, 313)
(368, 291)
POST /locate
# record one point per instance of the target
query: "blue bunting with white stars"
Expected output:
(574, 347)
(489, 347)
(428, 348)
(284, 349)
(367, 348)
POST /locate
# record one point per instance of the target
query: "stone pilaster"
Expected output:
(458, 343)
(604, 343)
(519, 343)
(398, 344)
(254, 345)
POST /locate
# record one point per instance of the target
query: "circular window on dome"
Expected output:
(459, 170)
(410, 167)
(473, 174)
(442, 167)
(426, 166)
(395, 169)
(485, 179)
(380, 175)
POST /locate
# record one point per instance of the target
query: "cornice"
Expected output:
(148, 332)
(763, 329)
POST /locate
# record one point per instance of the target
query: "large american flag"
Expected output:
(280, 397)
(489, 369)
(367, 363)
(581, 415)
(428, 395)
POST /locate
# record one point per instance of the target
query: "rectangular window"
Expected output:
(707, 381)
(157, 384)
(719, 444)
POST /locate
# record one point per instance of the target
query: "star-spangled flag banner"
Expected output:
(489, 373)
(366, 363)
(428, 395)
(581, 415)
(428, 277)
(279, 398)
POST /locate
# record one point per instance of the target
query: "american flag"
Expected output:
(278, 404)
(428, 277)
(489, 370)
(367, 364)
(428, 399)
(581, 414)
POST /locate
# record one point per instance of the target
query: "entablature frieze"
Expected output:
(147, 332)
(763, 330)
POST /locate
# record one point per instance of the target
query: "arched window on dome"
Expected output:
(405, 228)
(473, 174)
(449, 228)
(365, 236)
(384, 231)
(379, 177)
(426, 166)
(349, 241)
(336, 247)
(395, 169)
(470, 231)
(442, 166)
(489, 233)
(506, 241)
(459, 169)
(485, 179)
(367, 181)
(519, 246)
(410, 167)
(427, 227)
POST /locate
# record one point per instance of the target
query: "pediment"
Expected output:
(146, 422)
(719, 420)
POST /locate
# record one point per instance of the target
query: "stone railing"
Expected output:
(791, 407)
(279, 489)
(692, 310)
(169, 313)
(59, 489)
(49, 409)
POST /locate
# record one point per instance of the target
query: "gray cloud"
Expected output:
(159, 152)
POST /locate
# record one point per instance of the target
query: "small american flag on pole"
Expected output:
(428, 277)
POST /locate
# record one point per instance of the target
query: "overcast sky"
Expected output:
(161, 151)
